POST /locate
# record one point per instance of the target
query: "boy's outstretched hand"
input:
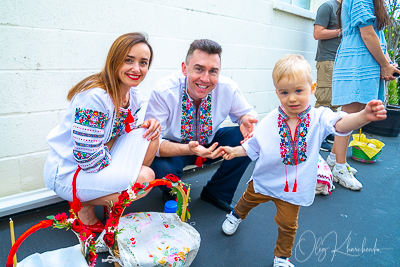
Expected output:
(229, 153)
(375, 110)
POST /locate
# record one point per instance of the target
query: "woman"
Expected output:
(361, 67)
(98, 139)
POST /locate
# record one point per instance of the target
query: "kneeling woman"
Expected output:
(98, 140)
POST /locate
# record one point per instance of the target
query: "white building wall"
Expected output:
(47, 46)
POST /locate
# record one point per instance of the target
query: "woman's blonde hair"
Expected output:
(107, 79)
(292, 67)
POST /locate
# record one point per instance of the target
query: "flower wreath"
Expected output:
(60, 221)
(127, 196)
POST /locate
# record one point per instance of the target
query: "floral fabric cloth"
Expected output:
(156, 239)
(324, 173)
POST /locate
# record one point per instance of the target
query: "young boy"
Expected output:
(286, 143)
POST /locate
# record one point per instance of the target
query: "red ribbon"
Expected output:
(76, 204)
(128, 120)
(14, 248)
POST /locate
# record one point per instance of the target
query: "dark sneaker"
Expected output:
(325, 146)
(206, 196)
(167, 196)
(330, 139)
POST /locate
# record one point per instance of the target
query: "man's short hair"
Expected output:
(292, 67)
(205, 45)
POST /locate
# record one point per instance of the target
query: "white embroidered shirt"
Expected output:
(281, 158)
(170, 104)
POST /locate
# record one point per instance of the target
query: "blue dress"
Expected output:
(356, 73)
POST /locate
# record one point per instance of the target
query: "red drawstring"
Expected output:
(128, 120)
(294, 190)
(287, 184)
(76, 204)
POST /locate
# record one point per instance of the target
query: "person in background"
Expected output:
(361, 67)
(329, 36)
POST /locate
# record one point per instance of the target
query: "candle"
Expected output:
(13, 240)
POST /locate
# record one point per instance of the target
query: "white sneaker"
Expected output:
(332, 163)
(279, 262)
(230, 224)
(346, 178)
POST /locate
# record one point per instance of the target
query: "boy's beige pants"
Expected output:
(286, 218)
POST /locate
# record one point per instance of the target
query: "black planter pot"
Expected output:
(389, 127)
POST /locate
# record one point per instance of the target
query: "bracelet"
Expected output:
(339, 34)
(390, 62)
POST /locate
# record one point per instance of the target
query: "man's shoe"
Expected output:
(346, 178)
(330, 139)
(332, 163)
(206, 196)
(282, 262)
(230, 224)
(325, 146)
(167, 196)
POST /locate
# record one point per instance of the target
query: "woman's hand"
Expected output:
(387, 72)
(153, 129)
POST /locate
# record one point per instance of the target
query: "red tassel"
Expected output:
(295, 186)
(129, 119)
(199, 161)
(286, 187)
(76, 204)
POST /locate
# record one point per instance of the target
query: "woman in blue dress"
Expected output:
(361, 67)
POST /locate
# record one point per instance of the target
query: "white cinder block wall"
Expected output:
(47, 46)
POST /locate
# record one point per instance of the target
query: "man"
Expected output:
(329, 36)
(191, 104)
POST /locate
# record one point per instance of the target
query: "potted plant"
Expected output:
(390, 126)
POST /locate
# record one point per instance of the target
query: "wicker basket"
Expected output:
(359, 155)
(364, 149)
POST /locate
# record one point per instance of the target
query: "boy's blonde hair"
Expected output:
(292, 67)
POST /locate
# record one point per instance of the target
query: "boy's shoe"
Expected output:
(330, 139)
(230, 224)
(332, 163)
(282, 262)
(325, 146)
(346, 178)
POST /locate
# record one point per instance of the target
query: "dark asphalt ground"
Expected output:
(347, 228)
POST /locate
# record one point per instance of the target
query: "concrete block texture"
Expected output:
(47, 46)
(31, 171)
(27, 133)
(9, 177)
